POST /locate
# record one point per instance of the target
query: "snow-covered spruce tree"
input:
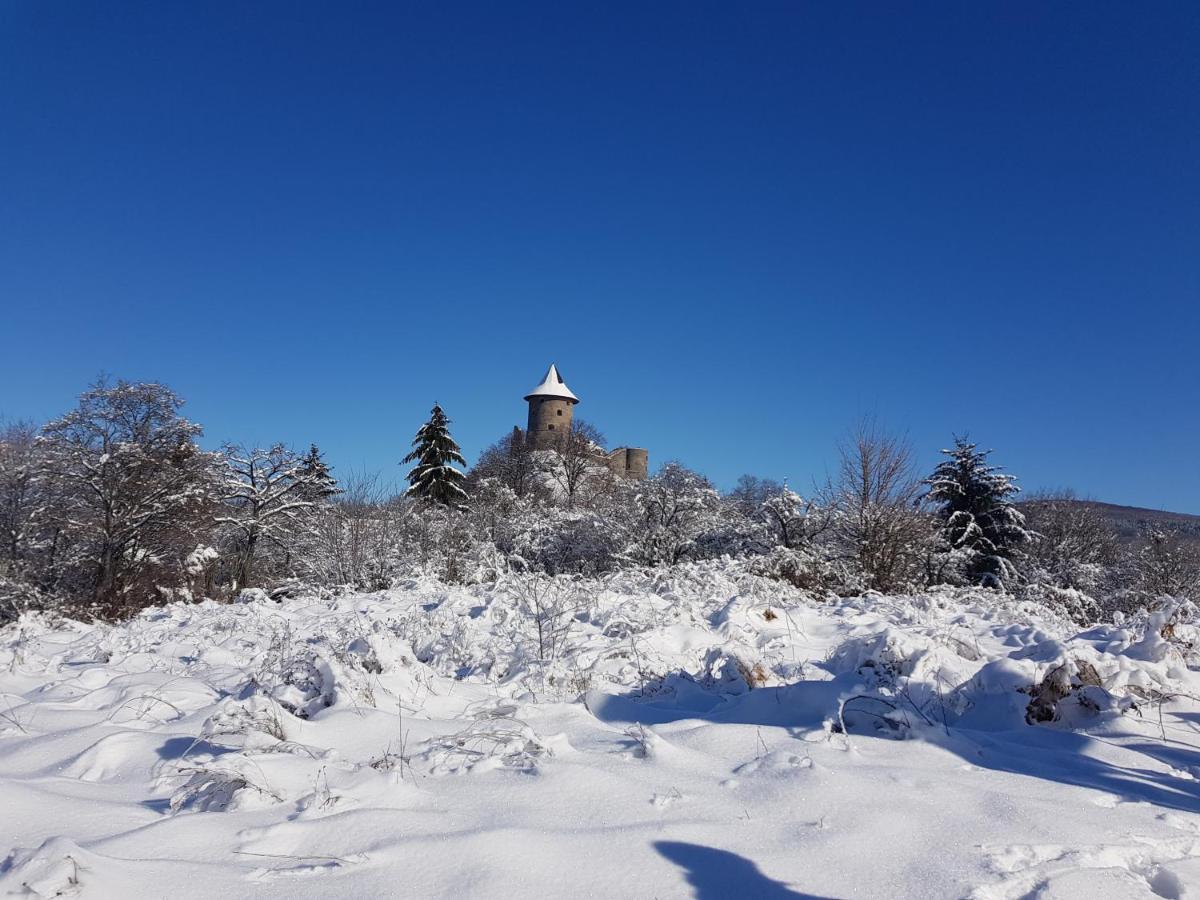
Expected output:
(316, 479)
(434, 478)
(977, 513)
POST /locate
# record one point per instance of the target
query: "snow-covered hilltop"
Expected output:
(697, 731)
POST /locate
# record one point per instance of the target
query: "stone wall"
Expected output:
(637, 463)
(629, 462)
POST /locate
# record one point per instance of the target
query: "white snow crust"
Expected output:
(699, 733)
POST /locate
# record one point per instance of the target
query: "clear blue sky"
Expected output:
(735, 227)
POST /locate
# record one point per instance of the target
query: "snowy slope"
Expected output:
(687, 741)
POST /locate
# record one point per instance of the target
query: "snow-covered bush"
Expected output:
(804, 568)
(1165, 565)
(671, 512)
(18, 597)
(1074, 604)
(548, 605)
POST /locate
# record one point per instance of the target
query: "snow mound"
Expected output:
(704, 728)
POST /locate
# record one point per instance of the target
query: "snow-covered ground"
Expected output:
(700, 733)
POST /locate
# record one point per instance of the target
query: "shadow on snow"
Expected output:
(1034, 751)
(718, 874)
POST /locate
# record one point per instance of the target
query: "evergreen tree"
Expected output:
(434, 478)
(317, 480)
(977, 514)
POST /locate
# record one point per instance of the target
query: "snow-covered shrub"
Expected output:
(295, 675)
(548, 606)
(1074, 604)
(358, 539)
(566, 541)
(1165, 565)
(729, 673)
(18, 597)
(488, 743)
(1071, 545)
(1071, 693)
(443, 543)
(774, 515)
(218, 785)
(803, 568)
(253, 723)
(671, 512)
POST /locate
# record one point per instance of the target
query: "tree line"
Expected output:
(114, 507)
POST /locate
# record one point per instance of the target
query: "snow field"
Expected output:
(698, 732)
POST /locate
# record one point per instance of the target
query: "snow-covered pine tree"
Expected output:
(434, 478)
(978, 516)
(317, 481)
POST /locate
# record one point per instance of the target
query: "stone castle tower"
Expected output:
(551, 410)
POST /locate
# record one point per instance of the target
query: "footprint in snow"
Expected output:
(302, 866)
(662, 801)
(1183, 823)
(774, 762)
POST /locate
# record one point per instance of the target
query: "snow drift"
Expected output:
(691, 732)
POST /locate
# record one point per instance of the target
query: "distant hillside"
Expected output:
(1131, 521)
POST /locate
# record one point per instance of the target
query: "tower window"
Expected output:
(558, 412)
(551, 427)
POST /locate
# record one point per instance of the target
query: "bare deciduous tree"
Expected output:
(131, 484)
(21, 494)
(577, 464)
(263, 495)
(1166, 565)
(1071, 544)
(877, 523)
(510, 461)
(672, 510)
(355, 539)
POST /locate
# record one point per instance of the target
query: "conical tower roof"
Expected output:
(553, 386)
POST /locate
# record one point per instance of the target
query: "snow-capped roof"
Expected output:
(553, 386)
